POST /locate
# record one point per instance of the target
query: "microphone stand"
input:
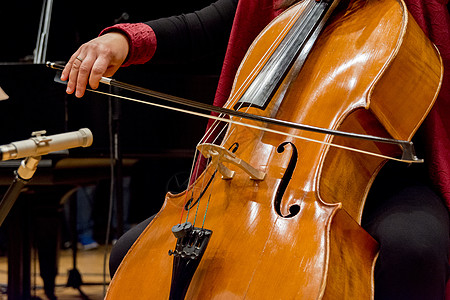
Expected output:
(23, 174)
(44, 30)
(18, 274)
(115, 115)
(116, 154)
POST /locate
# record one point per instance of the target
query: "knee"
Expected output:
(115, 258)
(415, 256)
(124, 244)
(418, 242)
(419, 259)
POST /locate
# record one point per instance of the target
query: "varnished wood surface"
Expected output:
(89, 264)
(256, 251)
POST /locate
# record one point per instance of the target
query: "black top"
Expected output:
(194, 35)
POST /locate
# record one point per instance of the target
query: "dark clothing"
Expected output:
(194, 35)
(124, 243)
(411, 223)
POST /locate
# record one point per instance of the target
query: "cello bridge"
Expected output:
(219, 155)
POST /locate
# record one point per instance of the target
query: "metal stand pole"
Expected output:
(44, 29)
(19, 256)
(23, 175)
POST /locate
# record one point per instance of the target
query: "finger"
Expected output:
(68, 66)
(98, 70)
(83, 73)
(75, 65)
(73, 76)
(65, 75)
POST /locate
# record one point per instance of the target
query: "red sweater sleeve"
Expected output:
(142, 41)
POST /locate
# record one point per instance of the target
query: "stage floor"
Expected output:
(89, 264)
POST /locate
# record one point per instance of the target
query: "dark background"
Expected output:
(162, 141)
(75, 22)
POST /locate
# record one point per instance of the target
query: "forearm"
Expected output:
(194, 35)
(179, 38)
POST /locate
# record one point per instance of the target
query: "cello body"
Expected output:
(297, 236)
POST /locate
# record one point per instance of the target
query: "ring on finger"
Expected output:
(80, 59)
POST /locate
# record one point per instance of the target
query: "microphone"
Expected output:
(41, 145)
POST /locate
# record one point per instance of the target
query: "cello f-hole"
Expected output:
(294, 209)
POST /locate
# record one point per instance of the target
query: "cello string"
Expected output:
(229, 121)
(253, 74)
(248, 81)
(255, 71)
(201, 188)
(206, 211)
(216, 123)
(187, 190)
(194, 169)
(196, 212)
(207, 203)
(260, 128)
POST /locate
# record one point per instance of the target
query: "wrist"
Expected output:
(141, 41)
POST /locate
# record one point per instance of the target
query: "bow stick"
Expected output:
(408, 152)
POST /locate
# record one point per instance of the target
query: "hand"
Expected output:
(99, 57)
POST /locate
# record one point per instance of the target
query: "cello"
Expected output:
(284, 223)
